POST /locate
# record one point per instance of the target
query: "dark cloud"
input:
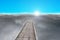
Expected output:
(47, 26)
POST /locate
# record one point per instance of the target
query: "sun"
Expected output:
(36, 13)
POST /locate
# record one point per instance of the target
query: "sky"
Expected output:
(17, 6)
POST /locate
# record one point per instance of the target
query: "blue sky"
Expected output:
(15, 6)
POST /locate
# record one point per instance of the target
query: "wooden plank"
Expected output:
(27, 33)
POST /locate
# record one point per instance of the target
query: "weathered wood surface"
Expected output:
(27, 33)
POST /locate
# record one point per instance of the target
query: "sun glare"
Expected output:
(36, 13)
